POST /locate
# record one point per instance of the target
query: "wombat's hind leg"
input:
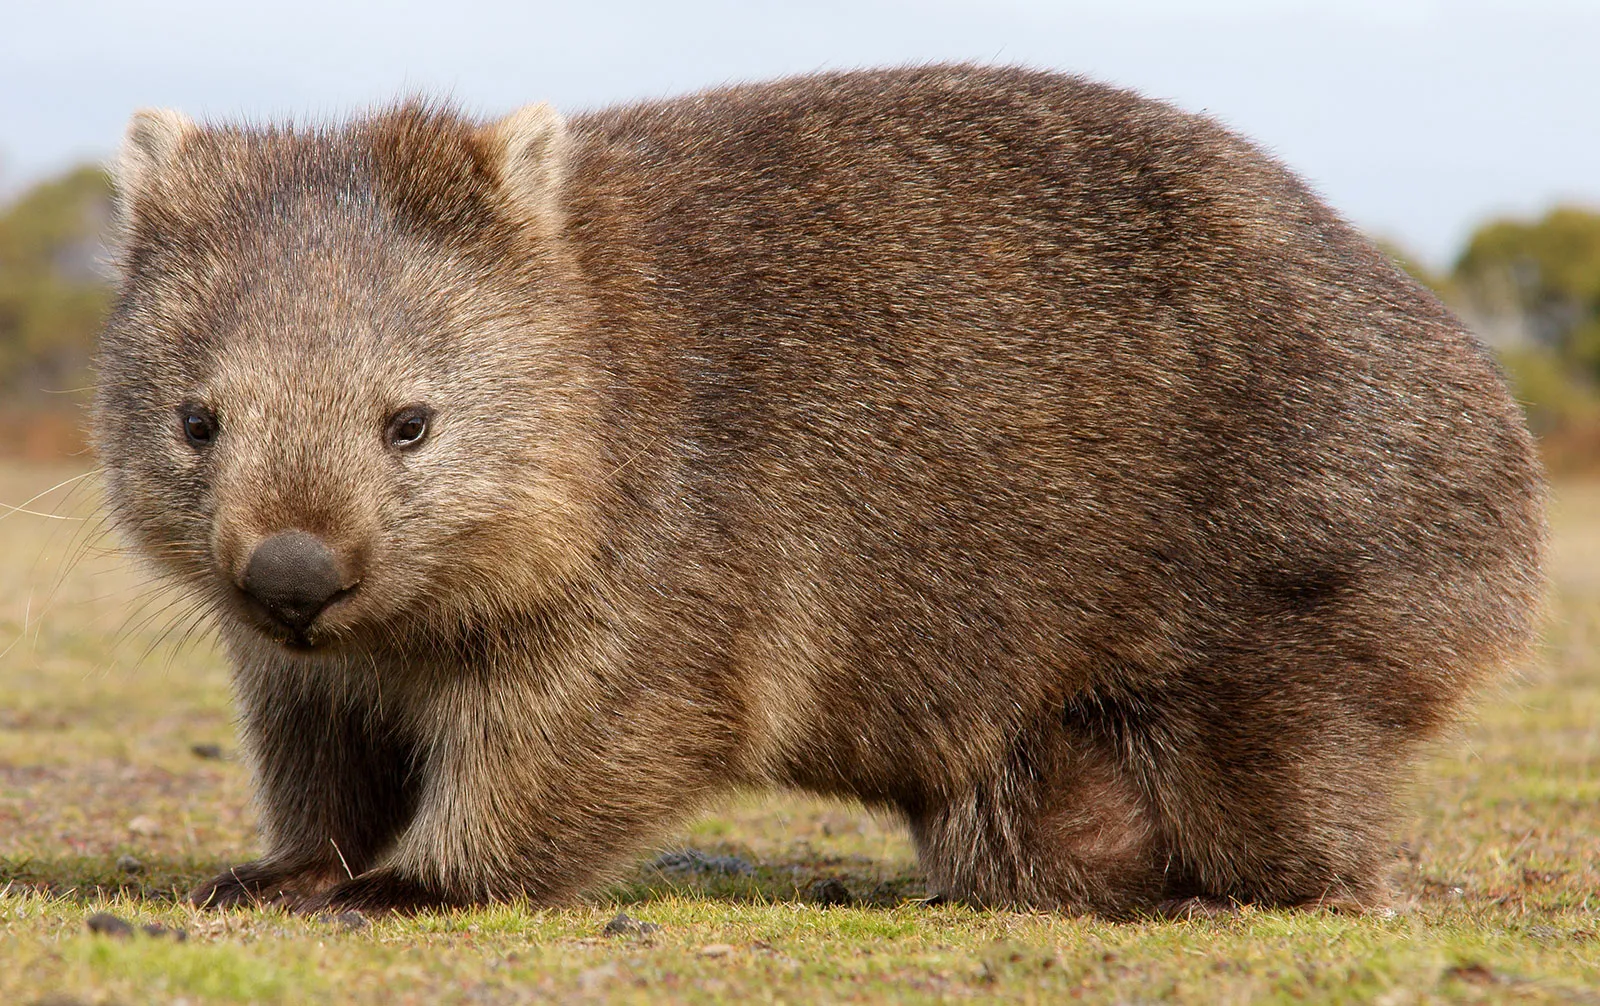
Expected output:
(1061, 826)
(1271, 791)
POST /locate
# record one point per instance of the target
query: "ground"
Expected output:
(119, 787)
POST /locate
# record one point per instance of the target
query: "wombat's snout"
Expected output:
(293, 575)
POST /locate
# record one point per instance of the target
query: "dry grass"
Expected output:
(105, 693)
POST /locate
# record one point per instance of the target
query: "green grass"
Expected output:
(104, 692)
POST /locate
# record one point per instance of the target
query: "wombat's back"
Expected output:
(979, 354)
(1009, 391)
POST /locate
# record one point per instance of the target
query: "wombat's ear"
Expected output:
(153, 138)
(528, 148)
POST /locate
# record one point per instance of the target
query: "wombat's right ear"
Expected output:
(152, 140)
(528, 149)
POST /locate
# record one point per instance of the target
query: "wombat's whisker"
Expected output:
(23, 506)
(146, 611)
(192, 621)
(35, 513)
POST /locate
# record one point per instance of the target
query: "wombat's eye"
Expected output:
(409, 426)
(199, 425)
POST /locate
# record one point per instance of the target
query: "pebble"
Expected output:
(695, 861)
(831, 893)
(349, 921)
(157, 930)
(627, 925)
(106, 924)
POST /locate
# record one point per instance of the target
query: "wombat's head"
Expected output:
(339, 389)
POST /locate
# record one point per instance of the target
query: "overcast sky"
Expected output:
(1415, 118)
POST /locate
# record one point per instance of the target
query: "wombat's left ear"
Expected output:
(528, 148)
(152, 141)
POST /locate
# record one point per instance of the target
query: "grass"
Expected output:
(105, 693)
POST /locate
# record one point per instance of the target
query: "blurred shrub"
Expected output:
(54, 287)
(1538, 283)
(1546, 274)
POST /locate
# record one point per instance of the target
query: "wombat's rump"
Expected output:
(1030, 458)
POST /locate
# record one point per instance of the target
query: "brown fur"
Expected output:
(1027, 457)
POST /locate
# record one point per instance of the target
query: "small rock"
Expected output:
(210, 752)
(716, 950)
(831, 893)
(350, 921)
(626, 925)
(695, 861)
(130, 864)
(106, 924)
(144, 827)
(158, 930)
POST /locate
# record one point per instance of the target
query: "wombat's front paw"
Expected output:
(381, 890)
(262, 883)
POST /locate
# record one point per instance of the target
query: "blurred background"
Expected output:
(1463, 136)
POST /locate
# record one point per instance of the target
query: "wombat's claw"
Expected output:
(381, 890)
(222, 891)
(254, 885)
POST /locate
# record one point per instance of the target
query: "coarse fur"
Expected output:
(1032, 459)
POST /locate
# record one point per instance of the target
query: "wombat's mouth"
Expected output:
(300, 643)
(300, 632)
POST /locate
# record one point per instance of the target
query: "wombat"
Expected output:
(1037, 462)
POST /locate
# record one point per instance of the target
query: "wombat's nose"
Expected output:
(293, 575)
